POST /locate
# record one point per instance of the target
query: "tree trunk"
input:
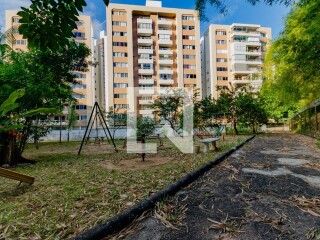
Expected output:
(235, 127)
(10, 151)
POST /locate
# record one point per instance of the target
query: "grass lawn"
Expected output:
(72, 193)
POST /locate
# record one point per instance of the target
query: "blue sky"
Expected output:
(239, 11)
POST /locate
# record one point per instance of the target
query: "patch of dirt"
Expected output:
(137, 163)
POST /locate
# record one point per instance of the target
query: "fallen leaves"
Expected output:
(311, 206)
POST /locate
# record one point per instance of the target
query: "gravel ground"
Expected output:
(269, 189)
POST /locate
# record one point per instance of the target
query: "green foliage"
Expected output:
(45, 75)
(292, 63)
(222, 7)
(48, 24)
(145, 125)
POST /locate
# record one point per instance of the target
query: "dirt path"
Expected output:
(269, 189)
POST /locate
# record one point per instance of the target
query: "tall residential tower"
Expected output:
(233, 55)
(152, 48)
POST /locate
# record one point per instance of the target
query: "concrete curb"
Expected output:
(123, 219)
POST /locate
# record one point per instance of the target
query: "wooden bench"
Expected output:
(16, 176)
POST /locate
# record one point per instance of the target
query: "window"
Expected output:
(221, 32)
(189, 37)
(79, 24)
(120, 64)
(21, 42)
(79, 85)
(120, 95)
(192, 47)
(81, 107)
(15, 19)
(222, 60)
(15, 31)
(263, 34)
(120, 54)
(241, 57)
(146, 66)
(119, 116)
(240, 38)
(120, 44)
(78, 96)
(189, 56)
(165, 76)
(120, 75)
(79, 34)
(120, 85)
(83, 117)
(222, 51)
(117, 106)
(222, 69)
(190, 75)
(145, 25)
(219, 78)
(221, 42)
(119, 23)
(119, 34)
(164, 36)
(79, 75)
(189, 66)
(146, 56)
(185, 27)
(117, 12)
(190, 18)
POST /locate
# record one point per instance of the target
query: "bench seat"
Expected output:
(207, 142)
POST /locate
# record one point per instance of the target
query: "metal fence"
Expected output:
(308, 120)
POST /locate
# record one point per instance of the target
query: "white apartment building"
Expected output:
(232, 56)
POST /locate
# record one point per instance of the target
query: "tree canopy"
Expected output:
(292, 63)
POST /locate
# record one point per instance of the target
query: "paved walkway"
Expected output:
(269, 189)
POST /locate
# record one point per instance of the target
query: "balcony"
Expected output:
(166, 71)
(145, 41)
(144, 20)
(244, 71)
(148, 112)
(145, 50)
(165, 31)
(242, 81)
(145, 60)
(248, 34)
(247, 61)
(146, 81)
(165, 61)
(146, 102)
(145, 71)
(146, 91)
(166, 81)
(165, 42)
(145, 31)
(165, 52)
(164, 22)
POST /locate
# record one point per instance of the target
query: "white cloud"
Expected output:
(10, 5)
(91, 9)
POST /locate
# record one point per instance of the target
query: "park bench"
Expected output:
(205, 137)
(16, 176)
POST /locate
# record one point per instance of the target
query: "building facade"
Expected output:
(83, 91)
(232, 56)
(151, 48)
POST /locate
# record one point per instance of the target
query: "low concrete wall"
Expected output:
(284, 128)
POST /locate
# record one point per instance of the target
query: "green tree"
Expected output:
(292, 63)
(13, 127)
(48, 24)
(250, 110)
